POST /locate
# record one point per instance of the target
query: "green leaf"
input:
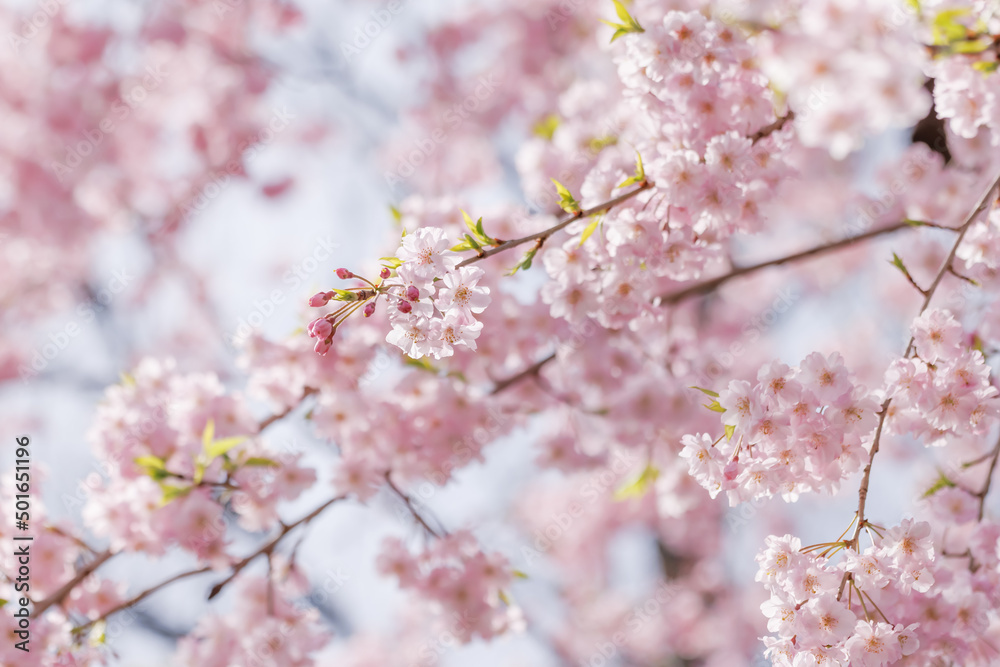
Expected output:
(638, 488)
(942, 483)
(546, 127)
(915, 223)
(714, 406)
(260, 461)
(391, 262)
(589, 230)
(220, 447)
(503, 597)
(172, 492)
(3, 602)
(469, 223)
(640, 173)
(707, 392)
(972, 45)
(519, 575)
(127, 380)
(627, 25)
(422, 363)
(525, 262)
(567, 201)
(986, 66)
(154, 466)
(208, 435)
(898, 263)
(597, 144)
(344, 295)
(397, 215)
(946, 29)
(730, 429)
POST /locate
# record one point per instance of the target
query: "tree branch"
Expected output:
(715, 283)
(542, 236)
(984, 200)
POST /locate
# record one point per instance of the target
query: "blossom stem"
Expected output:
(984, 200)
(543, 235)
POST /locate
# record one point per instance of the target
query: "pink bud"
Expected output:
(385, 273)
(344, 274)
(731, 471)
(412, 293)
(369, 309)
(320, 299)
(404, 306)
(323, 345)
(320, 328)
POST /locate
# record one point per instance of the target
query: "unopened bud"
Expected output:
(412, 293)
(320, 299)
(344, 274)
(385, 273)
(369, 309)
(404, 306)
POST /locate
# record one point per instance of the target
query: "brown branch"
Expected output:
(531, 370)
(141, 596)
(981, 495)
(910, 349)
(409, 505)
(64, 590)
(542, 236)
(308, 391)
(714, 283)
(768, 130)
(268, 548)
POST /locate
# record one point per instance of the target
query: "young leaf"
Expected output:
(640, 173)
(707, 392)
(397, 215)
(546, 127)
(344, 295)
(208, 434)
(638, 488)
(567, 201)
(627, 25)
(730, 429)
(525, 262)
(259, 461)
(391, 262)
(220, 447)
(589, 230)
(714, 406)
(942, 483)
(172, 492)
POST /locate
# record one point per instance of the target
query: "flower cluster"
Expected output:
(282, 633)
(433, 304)
(945, 388)
(871, 608)
(796, 430)
(460, 579)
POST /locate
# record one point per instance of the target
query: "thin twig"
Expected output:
(409, 505)
(58, 596)
(545, 234)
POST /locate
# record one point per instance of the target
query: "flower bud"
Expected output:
(404, 306)
(412, 293)
(369, 309)
(320, 299)
(320, 328)
(344, 274)
(323, 345)
(385, 273)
